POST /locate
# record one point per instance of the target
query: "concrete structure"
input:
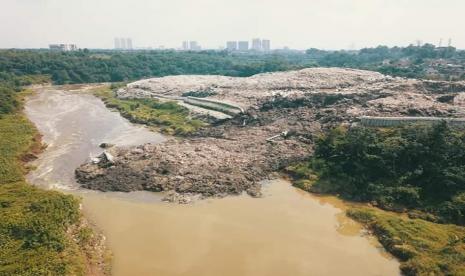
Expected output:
(122, 43)
(243, 46)
(185, 45)
(257, 44)
(63, 47)
(117, 43)
(231, 45)
(400, 121)
(128, 43)
(266, 45)
(194, 46)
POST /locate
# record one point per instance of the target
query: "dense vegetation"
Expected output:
(11, 84)
(426, 61)
(87, 66)
(168, 117)
(416, 167)
(110, 66)
(34, 224)
(423, 247)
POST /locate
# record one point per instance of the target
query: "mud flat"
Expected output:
(286, 232)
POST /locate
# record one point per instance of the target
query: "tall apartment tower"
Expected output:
(185, 45)
(117, 43)
(243, 46)
(266, 45)
(194, 46)
(231, 45)
(257, 44)
(122, 42)
(128, 43)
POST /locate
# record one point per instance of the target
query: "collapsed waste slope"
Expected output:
(282, 114)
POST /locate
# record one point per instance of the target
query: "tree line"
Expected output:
(415, 167)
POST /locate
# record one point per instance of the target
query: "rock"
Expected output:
(108, 157)
(95, 160)
(174, 197)
(106, 145)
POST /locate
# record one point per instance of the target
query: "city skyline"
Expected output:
(331, 24)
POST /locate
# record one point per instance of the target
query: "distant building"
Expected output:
(266, 45)
(185, 45)
(122, 43)
(257, 44)
(128, 43)
(194, 46)
(231, 45)
(117, 43)
(63, 47)
(243, 46)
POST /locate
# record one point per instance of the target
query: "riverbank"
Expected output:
(41, 232)
(403, 171)
(168, 117)
(285, 114)
(237, 235)
(282, 115)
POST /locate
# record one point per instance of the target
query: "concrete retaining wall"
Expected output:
(214, 105)
(399, 121)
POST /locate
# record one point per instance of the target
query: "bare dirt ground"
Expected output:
(233, 156)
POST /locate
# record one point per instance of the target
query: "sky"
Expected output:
(298, 24)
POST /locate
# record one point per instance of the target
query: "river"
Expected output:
(287, 232)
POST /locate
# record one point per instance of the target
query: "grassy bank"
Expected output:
(415, 172)
(423, 247)
(168, 117)
(40, 231)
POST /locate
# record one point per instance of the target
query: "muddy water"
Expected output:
(287, 232)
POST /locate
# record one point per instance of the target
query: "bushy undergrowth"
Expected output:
(170, 117)
(10, 86)
(33, 222)
(415, 167)
(419, 169)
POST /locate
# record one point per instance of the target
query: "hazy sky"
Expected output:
(329, 24)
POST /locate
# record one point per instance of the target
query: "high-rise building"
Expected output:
(243, 46)
(266, 45)
(257, 44)
(194, 46)
(117, 43)
(185, 45)
(63, 47)
(128, 43)
(231, 45)
(122, 43)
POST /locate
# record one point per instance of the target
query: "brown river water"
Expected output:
(287, 232)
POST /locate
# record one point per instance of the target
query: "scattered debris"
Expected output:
(231, 157)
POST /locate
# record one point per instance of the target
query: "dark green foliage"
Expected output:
(420, 166)
(410, 62)
(10, 84)
(110, 66)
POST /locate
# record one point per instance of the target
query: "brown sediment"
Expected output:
(286, 232)
(283, 233)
